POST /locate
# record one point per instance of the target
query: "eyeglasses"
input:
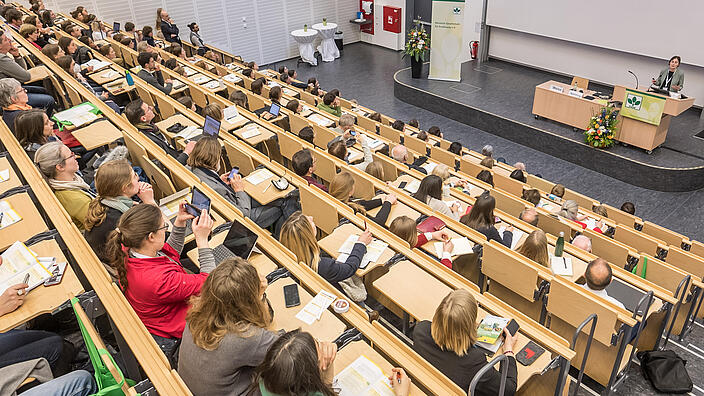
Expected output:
(73, 155)
(165, 226)
(21, 90)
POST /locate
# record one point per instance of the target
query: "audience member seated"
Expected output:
(143, 46)
(151, 72)
(59, 167)
(308, 134)
(34, 129)
(227, 330)
(286, 78)
(582, 242)
(423, 136)
(400, 153)
(13, 66)
(518, 175)
(298, 236)
(115, 183)
(128, 42)
(530, 216)
(47, 17)
(532, 196)
(570, 211)
(294, 106)
(188, 102)
(275, 94)
(486, 177)
(535, 247)
(13, 18)
(398, 125)
(629, 207)
(407, 229)
(247, 73)
(487, 162)
(346, 130)
(375, 169)
(303, 163)
(298, 363)
(211, 55)
(481, 218)
(53, 51)
(148, 35)
(430, 193)
(375, 117)
(172, 64)
(79, 14)
(331, 104)
(598, 277)
(31, 34)
(67, 63)
(240, 99)
(448, 344)
(257, 86)
(214, 111)
(435, 131)
(339, 150)
(204, 162)
(141, 116)
(520, 166)
(283, 69)
(150, 272)
(130, 30)
(252, 65)
(108, 52)
(455, 148)
(558, 190)
(166, 25)
(414, 123)
(342, 188)
(488, 151)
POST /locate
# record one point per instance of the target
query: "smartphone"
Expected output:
(115, 27)
(233, 172)
(353, 133)
(291, 297)
(512, 327)
(57, 274)
(199, 201)
(402, 185)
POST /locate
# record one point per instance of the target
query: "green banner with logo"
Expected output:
(446, 40)
(643, 106)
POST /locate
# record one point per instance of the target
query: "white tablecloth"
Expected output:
(327, 48)
(305, 44)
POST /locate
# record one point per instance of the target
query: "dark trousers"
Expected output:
(38, 98)
(22, 345)
(170, 348)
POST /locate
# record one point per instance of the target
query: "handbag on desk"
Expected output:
(431, 224)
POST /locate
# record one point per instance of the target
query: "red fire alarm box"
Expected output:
(392, 19)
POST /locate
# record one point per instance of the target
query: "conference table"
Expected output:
(327, 48)
(305, 39)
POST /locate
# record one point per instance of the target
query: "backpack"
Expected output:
(665, 370)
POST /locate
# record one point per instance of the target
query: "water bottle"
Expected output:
(128, 77)
(560, 244)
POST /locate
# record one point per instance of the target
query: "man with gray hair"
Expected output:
(400, 153)
(530, 216)
(346, 130)
(12, 65)
(488, 150)
(583, 242)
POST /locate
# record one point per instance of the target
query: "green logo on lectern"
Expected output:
(633, 102)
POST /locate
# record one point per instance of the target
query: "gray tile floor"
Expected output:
(365, 72)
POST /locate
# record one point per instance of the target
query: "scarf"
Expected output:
(17, 106)
(76, 184)
(121, 203)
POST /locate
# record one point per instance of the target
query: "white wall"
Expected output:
(394, 41)
(264, 35)
(472, 19)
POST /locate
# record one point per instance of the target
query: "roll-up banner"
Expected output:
(446, 40)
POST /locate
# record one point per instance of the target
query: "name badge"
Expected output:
(576, 94)
(557, 88)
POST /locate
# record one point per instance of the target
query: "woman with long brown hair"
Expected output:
(226, 330)
(342, 188)
(535, 247)
(150, 273)
(406, 228)
(481, 218)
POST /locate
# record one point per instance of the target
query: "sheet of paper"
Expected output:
(561, 265)
(259, 176)
(189, 132)
(4, 175)
(462, 245)
(374, 251)
(517, 235)
(232, 78)
(374, 143)
(9, 216)
(412, 186)
(189, 71)
(362, 377)
(200, 79)
(109, 74)
(177, 84)
(212, 85)
(347, 246)
(96, 64)
(320, 120)
(429, 166)
(17, 261)
(171, 208)
(315, 307)
(251, 132)
(229, 112)
(590, 222)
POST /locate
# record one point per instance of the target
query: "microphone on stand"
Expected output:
(634, 75)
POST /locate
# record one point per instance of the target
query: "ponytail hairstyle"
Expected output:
(298, 235)
(134, 227)
(342, 188)
(111, 178)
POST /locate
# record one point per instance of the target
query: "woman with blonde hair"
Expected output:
(298, 235)
(448, 344)
(376, 170)
(535, 247)
(226, 330)
(406, 228)
(342, 188)
(116, 183)
(570, 211)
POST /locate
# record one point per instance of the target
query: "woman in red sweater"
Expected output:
(150, 273)
(405, 228)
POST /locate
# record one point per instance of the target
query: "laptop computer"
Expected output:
(239, 242)
(211, 126)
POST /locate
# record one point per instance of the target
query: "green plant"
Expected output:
(600, 132)
(418, 43)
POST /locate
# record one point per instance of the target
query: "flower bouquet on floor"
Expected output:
(416, 47)
(602, 126)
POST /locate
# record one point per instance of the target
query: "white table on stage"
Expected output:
(305, 44)
(327, 48)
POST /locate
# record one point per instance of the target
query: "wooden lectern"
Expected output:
(642, 134)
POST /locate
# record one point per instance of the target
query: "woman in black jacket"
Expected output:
(448, 344)
(342, 188)
(481, 218)
(298, 235)
(116, 183)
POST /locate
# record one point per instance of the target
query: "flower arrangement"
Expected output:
(600, 133)
(417, 44)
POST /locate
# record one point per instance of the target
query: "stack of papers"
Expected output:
(18, 261)
(230, 113)
(232, 78)
(188, 71)
(212, 85)
(259, 176)
(591, 223)
(374, 143)
(176, 84)
(250, 131)
(96, 63)
(546, 205)
(561, 265)
(77, 115)
(200, 79)
(189, 132)
(412, 186)
(362, 377)
(4, 175)
(517, 235)
(8, 215)
(272, 84)
(374, 250)
(462, 245)
(315, 308)
(109, 74)
(320, 120)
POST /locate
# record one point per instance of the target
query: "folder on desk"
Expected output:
(17, 262)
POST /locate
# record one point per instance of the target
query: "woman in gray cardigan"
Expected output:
(671, 78)
(204, 162)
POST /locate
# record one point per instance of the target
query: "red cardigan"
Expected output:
(422, 240)
(158, 290)
(584, 226)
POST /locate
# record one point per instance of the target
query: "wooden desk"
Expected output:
(328, 328)
(264, 134)
(261, 262)
(97, 134)
(471, 189)
(44, 299)
(199, 78)
(353, 350)
(233, 123)
(563, 108)
(422, 306)
(118, 87)
(13, 181)
(331, 243)
(163, 125)
(105, 76)
(265, 192)
(37, 73)
(30, 225)
(177, 88)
